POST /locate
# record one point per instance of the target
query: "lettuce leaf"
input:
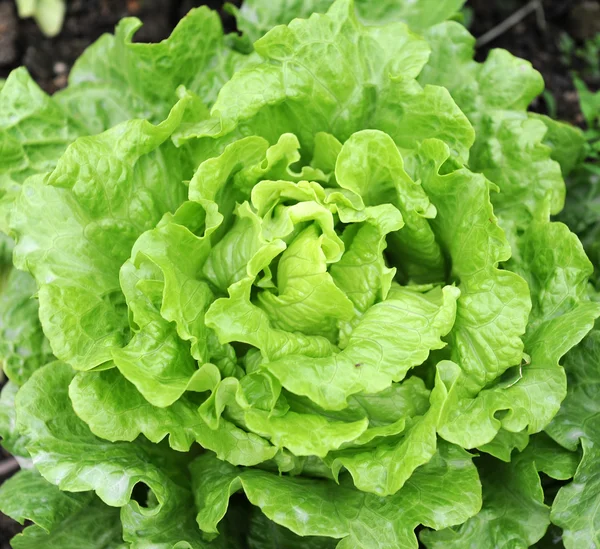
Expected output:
(574, 425)
(61, 519)
(117, 79)
(313, 507)
(256, 17)
(513, 511)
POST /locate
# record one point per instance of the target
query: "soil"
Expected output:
(537, 37)
(8, 527)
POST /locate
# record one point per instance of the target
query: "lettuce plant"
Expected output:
(319, 270)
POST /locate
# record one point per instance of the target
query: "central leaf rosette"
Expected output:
(301, 302)
(306, 299)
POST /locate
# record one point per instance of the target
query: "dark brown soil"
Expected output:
(8, 527)
(538, 36)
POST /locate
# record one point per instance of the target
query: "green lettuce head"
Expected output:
(303, 295)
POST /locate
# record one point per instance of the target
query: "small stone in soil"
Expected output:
(60, 67)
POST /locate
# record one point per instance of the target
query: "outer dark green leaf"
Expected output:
(23, 346)
(68, 455)
(34, 132)
(509, 147)
(443, 492)
(95, 526)
(83, 219)
(556, 268)
(28, 496)
(575, 508)
(116, 79)
(256, 17)
(62, 520)
(266, 534)
(514, 513)
(12, 440)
